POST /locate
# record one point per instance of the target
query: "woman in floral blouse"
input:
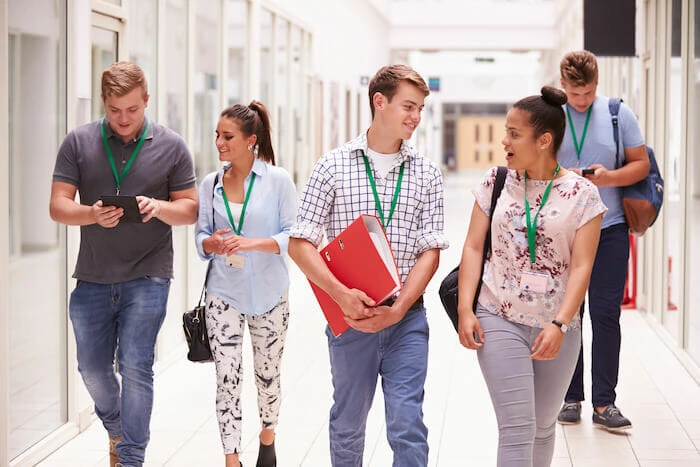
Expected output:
(545, 233)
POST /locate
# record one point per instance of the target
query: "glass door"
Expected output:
(106, 36)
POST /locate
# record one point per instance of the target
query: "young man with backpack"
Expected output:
(589, 149)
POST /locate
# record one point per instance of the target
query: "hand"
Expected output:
(106, 216)
(376, 319)
(469, 327)
(239, 244)
(356, 304)
(217, 243)
(547, 343)
(600, 175)
(151, 207)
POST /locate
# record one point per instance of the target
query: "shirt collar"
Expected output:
(109, 132)
(406, 151)
(259, 169)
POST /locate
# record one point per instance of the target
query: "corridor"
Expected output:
(655, 392)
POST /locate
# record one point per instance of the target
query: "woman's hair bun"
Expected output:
(553, 96)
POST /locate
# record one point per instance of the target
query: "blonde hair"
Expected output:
(387, 79)
(120, 78)
(579, 68)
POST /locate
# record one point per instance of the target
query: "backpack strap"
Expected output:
(614, 108)
(501, 174)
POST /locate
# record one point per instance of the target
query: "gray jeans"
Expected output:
(526, 394)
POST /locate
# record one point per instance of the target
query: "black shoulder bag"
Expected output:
(448, 287)
(193, 321)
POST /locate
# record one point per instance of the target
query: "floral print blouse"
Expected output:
(573, 201)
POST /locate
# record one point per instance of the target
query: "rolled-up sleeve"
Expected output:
(204, 228)
(433, 216)
(288, 212)
(316, 202)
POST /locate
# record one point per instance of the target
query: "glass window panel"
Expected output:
(672, 184)
(297, 96)
(692, 215)
(175, 56)
(266, 59)
(37, 347)
(237, 39)
(282, 97)
(206, 79)
(104, 53)
(143, 35)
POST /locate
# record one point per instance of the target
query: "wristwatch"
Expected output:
(562, 327)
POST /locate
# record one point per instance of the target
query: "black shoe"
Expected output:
(611, 419)
(570, 413)
(267, 456)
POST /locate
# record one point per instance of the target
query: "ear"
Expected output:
(252, 139)
(545, 140)
(145, 100)
(378, 99)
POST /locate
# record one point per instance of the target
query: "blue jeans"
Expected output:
(124, 318)
(399, 354)
(604, 298)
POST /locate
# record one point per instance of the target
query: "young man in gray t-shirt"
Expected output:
(124, 265)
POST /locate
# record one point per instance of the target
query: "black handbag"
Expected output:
(193, 321)
(195, 327)
(448, 288)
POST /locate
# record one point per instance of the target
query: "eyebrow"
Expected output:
(409, 101)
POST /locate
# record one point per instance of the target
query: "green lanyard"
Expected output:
(578, 145)
(376, 195)
(118, 178)
(245, 203)
(532, 226)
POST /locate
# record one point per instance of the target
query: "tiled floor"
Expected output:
(655, 392)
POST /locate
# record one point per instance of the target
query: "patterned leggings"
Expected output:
(267, 332)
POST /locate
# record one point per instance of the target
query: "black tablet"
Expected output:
(128, 203)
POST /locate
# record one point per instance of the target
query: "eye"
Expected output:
(228, 137)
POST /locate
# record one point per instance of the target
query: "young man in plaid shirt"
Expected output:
(378, 173)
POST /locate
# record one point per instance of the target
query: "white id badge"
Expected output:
(535, 282)
(235, 261)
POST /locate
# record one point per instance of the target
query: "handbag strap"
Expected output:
(501, 174)
(206, 276)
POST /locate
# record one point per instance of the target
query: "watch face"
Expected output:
(564, 328)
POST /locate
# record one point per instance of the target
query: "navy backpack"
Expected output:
(642, 201)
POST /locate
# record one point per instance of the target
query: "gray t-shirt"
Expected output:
(129, 250)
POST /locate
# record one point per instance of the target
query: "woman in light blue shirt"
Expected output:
(246, 210)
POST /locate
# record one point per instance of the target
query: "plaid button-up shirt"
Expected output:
(338, 191)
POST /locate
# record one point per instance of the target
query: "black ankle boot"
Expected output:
(267, 456)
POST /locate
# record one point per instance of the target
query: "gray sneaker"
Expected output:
(611, 419)
(570, 413)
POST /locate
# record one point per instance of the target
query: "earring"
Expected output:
(255, 151)
(250, 147)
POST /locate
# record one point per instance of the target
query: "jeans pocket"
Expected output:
(158, 280)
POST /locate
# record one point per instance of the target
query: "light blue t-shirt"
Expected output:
(599, 148)
(258, 286)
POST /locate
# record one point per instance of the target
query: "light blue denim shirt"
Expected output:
(258, 286)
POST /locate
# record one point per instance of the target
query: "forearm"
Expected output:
(576, 287)
(266, 245)
(630, 173)
(469, 277)
(67, 211)
(417, 279)
(177, 212)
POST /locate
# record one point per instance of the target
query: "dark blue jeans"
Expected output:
(122, 318)
(399, 354)
(604, 299)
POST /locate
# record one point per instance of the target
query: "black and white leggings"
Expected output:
(267, 334)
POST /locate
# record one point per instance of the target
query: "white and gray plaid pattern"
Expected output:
(338, 191)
